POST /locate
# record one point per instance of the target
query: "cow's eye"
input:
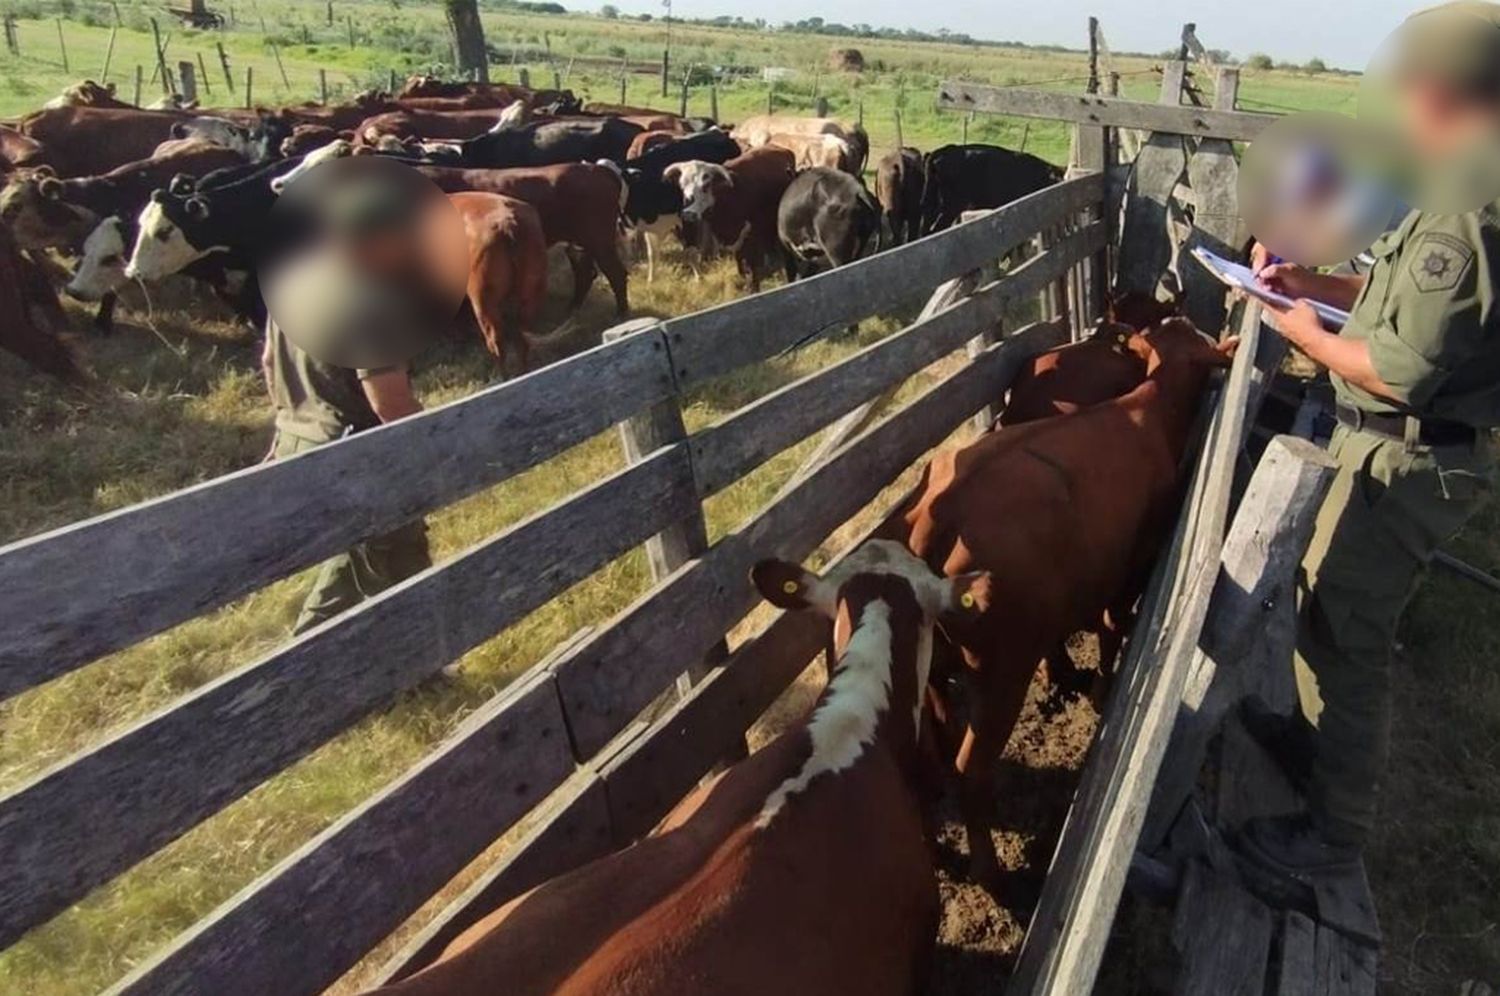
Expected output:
(163, 233)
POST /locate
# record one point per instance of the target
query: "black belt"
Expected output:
(1431, 431)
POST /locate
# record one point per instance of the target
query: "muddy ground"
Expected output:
(980, 936)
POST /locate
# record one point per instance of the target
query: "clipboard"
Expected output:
(1241, 278)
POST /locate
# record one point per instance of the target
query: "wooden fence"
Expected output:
(567, 736)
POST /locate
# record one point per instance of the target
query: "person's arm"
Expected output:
(1337, 289)
(1348, 358)
(390, 394)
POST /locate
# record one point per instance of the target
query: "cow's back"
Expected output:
(82, 141)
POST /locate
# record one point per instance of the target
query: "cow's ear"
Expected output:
(672, 174)
(783, 584)
(179, 130)
(196, 207)
(182, 185)
(50, 187)
(158, 196)
(40, 171)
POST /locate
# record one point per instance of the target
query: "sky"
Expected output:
(1341, 34)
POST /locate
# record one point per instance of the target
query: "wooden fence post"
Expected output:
(224, 62)
(713, 100)
(249, 87)
(1213, 173)
(1147, 250)
(682, 98)
(139, 75)
(644, 434)
(524, 76)
(666, 64)
(820, 107)
(12, 43)
(771, 98)
(329, 7)
(62, 46)
(1251, 622)
(187, 76)
(208, 89)
(275, 51)
(161, 57)
(109, 54)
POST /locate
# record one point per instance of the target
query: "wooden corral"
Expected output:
(593, 745)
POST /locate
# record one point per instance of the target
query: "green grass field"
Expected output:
(162, 418)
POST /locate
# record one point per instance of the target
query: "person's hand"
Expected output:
(1260, 257)
(1289, 279)
(1298, 323)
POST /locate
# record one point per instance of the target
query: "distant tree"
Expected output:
(609, 12)
(1316, 65)
(468, 37)
(1259, 61)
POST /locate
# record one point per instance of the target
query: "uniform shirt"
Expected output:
(315, 401)
(1429, 313)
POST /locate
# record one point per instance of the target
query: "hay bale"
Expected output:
(846, 60)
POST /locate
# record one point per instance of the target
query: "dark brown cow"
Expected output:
(1068, 512)
(32, 315)
(579, 206)
(801, 871)
(501, 94)
(507, 270)
(46, 212)
(87, 141)
(450, 125)
(736, 202)
(898, 188)
(307, 137)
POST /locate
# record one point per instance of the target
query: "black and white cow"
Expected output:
(963, 178)
(546, 142)
(653, 204)
(827, 218)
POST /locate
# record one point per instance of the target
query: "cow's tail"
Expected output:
(928, 205)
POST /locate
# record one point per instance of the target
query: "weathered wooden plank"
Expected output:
(711, 343)
(1256, 574)
(73, 594)
(1346, 904)
(300, 926)
(1224, 935)
(732, 448)
(574, 832)
(1213, 173)
(1342, 967)
(1118, 112)
(1071, 925)
(629, 663)
(1250, 783)
(646, 779)
(1146, 248)
(73, 827)
(1296, 965)
(657, 426)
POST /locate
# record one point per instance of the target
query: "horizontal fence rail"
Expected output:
(712, 343)
(71, 595)
(1118, 112)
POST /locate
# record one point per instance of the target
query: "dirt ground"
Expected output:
(979, 937)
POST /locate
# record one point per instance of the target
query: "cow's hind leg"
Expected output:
(583, 275)
(104, 316)
(491, 282)
(608, 259)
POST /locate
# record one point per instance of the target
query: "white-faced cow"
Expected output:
(801, 871)
(736, 203)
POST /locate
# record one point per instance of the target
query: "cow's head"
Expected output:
(102, 266)
(336, 149)
(702, 185)
(1177, 342)
(513, 117)
(162, 246)
(32, 205)
(883, 602)
(221, 131)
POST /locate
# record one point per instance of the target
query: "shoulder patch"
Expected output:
(1439, 261)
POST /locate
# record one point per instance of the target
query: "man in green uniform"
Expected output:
(1417, 376)
(317, 403)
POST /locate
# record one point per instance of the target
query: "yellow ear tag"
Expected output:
(790, 587)
(966, 600)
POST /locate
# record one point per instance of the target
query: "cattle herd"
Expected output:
(133, 193)
(808, 867)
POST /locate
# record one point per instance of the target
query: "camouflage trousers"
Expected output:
(1386, 514)
(365, 569)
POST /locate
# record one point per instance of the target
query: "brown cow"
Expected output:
(16, 151)
(898, 188)
(307, 137)
(499, 94)
(87, 141)
(32, 315)
(800, 871)
(451, 125)
(648, 140)
(736, 202)
(1069, 378)
(1068, 513)
(87, 94)
(507, 270)
(579, 205)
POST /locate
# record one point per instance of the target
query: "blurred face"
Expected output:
(1440, 121)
